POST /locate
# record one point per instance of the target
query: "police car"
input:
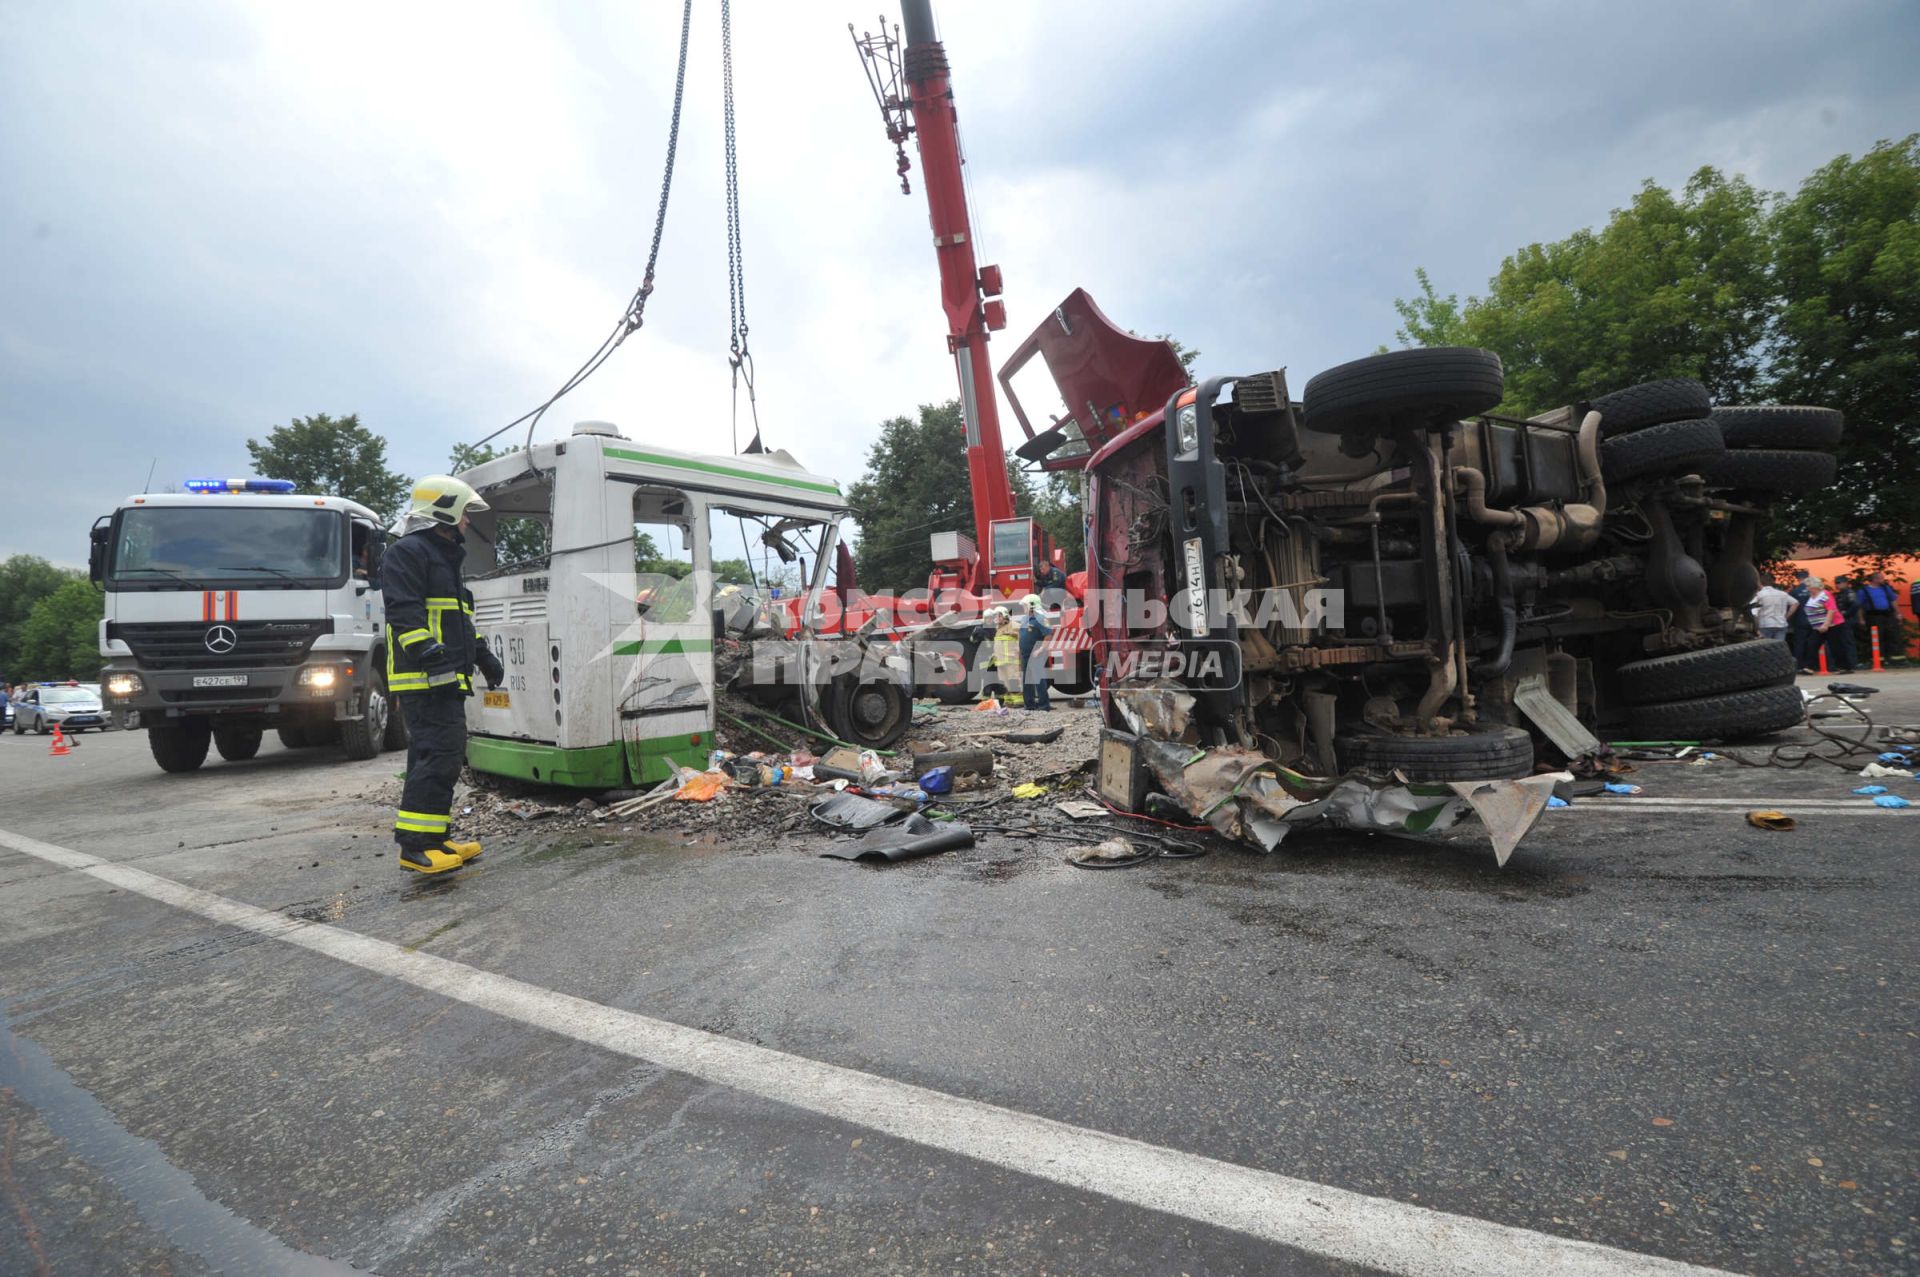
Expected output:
(69, 706)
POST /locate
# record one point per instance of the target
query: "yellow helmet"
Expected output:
(444, 499)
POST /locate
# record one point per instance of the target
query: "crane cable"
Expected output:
(635, 314)
(738, 353)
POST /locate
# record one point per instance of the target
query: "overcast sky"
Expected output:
(217, 216)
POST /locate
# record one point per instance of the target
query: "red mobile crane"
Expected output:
(910, 81)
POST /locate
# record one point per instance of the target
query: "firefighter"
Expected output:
(1035, 688)
(1006, 651)
(432, 651)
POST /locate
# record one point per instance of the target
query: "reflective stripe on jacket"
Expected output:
(426, 603)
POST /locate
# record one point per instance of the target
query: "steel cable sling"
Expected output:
(738, 353)
(635, 314)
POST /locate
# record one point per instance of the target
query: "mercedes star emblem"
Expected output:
(221, 639)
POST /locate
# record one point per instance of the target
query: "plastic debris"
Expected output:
(1614, 787)
(1778, 821)
(1895, 758)
(915, 837)
(1555, 800)
(1080, 809)
(855, 812)
(937, 780)
(702, 787)
(989, 706)
(1874, 771)
(1029, 789)
(1891, 800)
(1871, 790)
(1110, 853)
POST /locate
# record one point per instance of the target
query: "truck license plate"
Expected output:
(219, 680)
(494, 700)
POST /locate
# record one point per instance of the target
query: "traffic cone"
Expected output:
(1823, 657)
(60, 745)
(1875, 632)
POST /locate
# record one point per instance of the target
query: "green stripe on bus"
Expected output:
(732, 472)
(662, 647)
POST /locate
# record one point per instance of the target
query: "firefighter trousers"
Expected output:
(436, 750)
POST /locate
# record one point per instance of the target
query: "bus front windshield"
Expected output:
(257, 545)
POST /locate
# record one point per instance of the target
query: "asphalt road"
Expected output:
(1657, 1029)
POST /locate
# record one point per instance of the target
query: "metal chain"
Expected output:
(636, 310)
(739, 354)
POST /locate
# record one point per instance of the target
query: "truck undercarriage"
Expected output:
(1387, 576)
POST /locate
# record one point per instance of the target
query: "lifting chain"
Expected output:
(738, 353)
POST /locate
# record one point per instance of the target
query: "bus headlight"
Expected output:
(319, 677)
(124, 684)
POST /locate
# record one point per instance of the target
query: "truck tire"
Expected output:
(364, 737)
(1382, 394)
(1651, 403)
(972, 657)
(294, 737)
(396, 725)
(1485, 753)
(1708, 672)
(180, 745)
(871, 714)
(237, 744)
(1672, 447)
(1732, 716)
(1781, 426)
(1772, 470)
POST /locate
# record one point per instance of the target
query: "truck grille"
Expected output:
(179, 645)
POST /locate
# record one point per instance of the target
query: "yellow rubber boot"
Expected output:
(466, 850)
(430, 860)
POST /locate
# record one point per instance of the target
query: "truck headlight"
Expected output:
(318, 677)
(1187, 430)
(124, 685)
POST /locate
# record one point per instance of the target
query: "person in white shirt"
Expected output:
(1771, 607)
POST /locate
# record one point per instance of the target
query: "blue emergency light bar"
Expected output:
(240, 485)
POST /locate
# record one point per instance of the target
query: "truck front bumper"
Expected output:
(273, 690)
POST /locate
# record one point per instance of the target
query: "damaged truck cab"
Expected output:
(613, 580)
(1388, 576)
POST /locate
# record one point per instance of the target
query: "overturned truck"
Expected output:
(1387, 576)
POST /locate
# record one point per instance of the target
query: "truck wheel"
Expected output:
(1672, 447)
(1781, 426)
(1651, 403)
(396, 724)
(1486, 753)
(364, 737)
(871, 714)
(1733, 716)
(1382, 394)
(237, 744)
(295, 737)
(180, 745)
(961, 693)
(1733, 668)
(1772, 470)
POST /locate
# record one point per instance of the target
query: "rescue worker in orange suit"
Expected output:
(432, 651)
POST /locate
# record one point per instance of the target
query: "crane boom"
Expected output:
(916, 96)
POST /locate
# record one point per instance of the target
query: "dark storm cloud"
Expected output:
(213, 219)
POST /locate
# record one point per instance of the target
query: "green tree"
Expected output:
(916, 484)
(1813, 298)
(1846, 267)
(25, 580)
(1672, 286)
(61, 637)
(337, 457)
(518, 539)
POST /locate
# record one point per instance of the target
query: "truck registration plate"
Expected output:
(494, 700)
(219, 680)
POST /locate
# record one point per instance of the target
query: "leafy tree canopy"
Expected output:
(25, 580)
(61, 636)
(335, 456)
(1813, 298)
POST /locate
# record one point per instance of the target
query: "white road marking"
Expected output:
(1859, 807)
(1333, 1222)
(1848, 801)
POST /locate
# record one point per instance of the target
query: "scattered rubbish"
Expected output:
(1852, 689)
(701, 787)
(1616, 788)
(1080, 809)
(1110, 853)
(1036, 736)
(1870, 790)
(989, 706)
(915, 837)
(973, 761)
(1578, 788)
(1895, 758)
(937, 780)
(1555, 800)
(1891, 800)
(1874, 771)
(531, 811)
(1771, 820)
(1029, 790)
(854, 811)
